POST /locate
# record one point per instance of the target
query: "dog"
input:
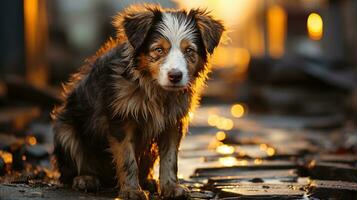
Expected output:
(129, 104)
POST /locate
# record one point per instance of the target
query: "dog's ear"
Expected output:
(211, 30)
(135, 23)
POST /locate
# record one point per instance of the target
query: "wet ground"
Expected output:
(228, 154)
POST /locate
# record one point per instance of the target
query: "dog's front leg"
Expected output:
(123, 151)
(168, 148)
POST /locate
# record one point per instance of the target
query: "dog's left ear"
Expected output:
(211, 30)
(135, 23)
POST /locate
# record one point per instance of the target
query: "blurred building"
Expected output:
(43, 41)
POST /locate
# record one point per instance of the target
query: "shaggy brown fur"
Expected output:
(116, 119)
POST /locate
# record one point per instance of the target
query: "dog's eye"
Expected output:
(189, 50)
(159, 50)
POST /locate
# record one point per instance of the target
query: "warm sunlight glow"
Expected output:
(31, 140)
(232, 12)
(315, 26)
(36, 38)
(220, 135)
(232, 57)
(232, 161)
(270, 151)
(6, 156)
(225, 124)
(220, 122)
(237, 110)
(263, 147)
(225, 149)
(180, 176)
(228, 161)
(276, 24)
(239, 19)
(191, 115)
(242, 162)
(258, 161)
(241, 153)
(213, 120)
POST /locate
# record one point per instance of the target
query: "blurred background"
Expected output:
(278, 58)
(287, 56)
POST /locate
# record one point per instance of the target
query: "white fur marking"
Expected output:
(175, 30)
(174, 60)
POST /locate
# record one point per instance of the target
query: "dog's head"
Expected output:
(171, 45)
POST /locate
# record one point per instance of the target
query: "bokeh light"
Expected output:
(225, 149)
(237, 110)
(220, 135)
(315, 26)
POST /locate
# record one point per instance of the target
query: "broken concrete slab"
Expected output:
(349, 159)
(323, 189)
(332, 171)
(235, 170)
(264, 191)
(256, 176)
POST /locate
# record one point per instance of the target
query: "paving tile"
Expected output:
(235, 170)
(264, 191)
(323, 189)
(350, 159)
(255, 176)
(332, 171)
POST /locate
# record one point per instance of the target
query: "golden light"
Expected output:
(243, 61)
(36, 39)
(315, 26)
(225, 124)
(276, 24)
(191, 115)
(6, 156)
(220, 135)
(312, 164)
(225, 149)
(228, 161)
(242, 162)
(220, 122)
(241, 153)
(237, 16)
(232, 56)
(237, 110)
(180, 176)
(213, 120)
(270, 151)
(31, 140)
(258, 161)
(232, 12)
(263, 147)
(229, 124)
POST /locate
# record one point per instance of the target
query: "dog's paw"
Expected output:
(86, 183)
(175, 191)
(133, 194)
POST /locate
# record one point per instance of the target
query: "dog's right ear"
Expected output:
(211, 30)
(135, 23)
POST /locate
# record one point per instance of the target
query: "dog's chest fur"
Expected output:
(152, 108)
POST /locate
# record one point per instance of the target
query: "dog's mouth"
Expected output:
(174, 87)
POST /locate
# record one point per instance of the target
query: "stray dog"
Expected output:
(129, 104)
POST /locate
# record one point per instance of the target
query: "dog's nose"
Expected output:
(175, 75)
